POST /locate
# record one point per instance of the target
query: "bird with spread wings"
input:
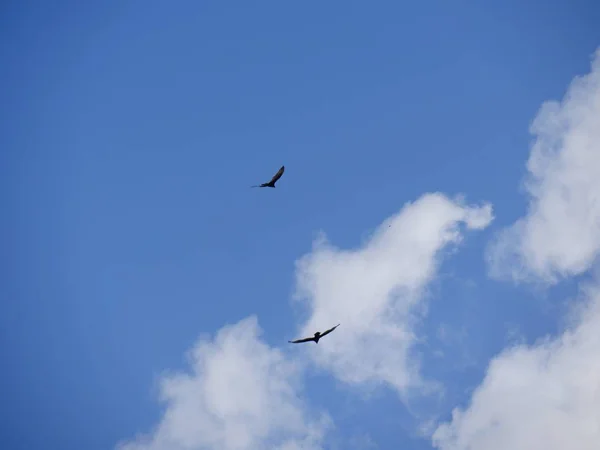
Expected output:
(318, 335)
(271, 183)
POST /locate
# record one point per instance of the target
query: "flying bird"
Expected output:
(316, 337)
(271, 183)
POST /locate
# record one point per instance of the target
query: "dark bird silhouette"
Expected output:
(316, 337)
(271, 183)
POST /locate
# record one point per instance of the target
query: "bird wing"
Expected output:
(277, 176)
(330, 330)
(298, 341)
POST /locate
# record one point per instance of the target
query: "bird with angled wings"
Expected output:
(271, 183)
(318, 335)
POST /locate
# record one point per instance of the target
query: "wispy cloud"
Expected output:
(540, 397)
(560, 235)
(239, 394)
(373, 290)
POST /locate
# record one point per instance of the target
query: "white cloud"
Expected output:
(547, 396)
(560, 235)
(543, 397)
(240, 395)
(372, 291)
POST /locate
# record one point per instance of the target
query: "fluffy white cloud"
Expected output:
(372, 291)
(543, 397)
(547, 396)
(240, 395)
(560, 235)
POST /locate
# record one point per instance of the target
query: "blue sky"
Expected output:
(131, 132)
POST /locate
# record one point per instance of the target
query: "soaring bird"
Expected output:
(316, 337)
(271, 183)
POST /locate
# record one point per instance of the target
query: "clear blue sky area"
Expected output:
(131, 131)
